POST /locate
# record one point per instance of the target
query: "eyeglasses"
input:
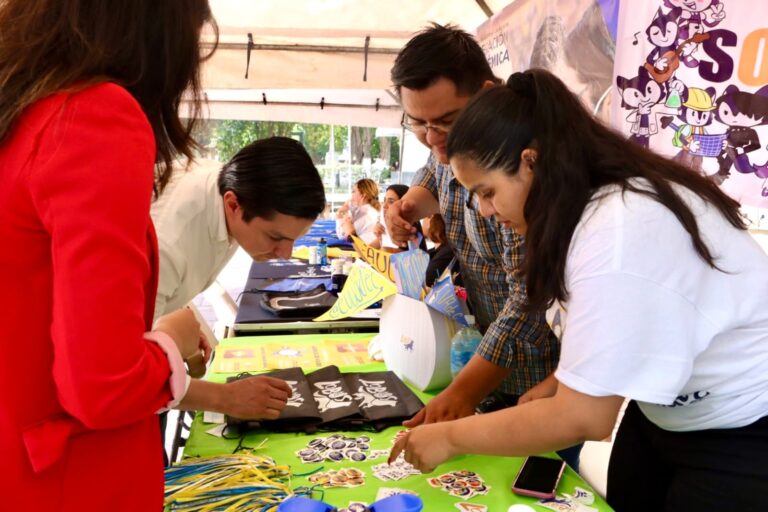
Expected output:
(442, 127)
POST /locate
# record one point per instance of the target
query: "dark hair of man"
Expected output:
(576, 155)
(274, 175)
(398, 189)
(442, 52)
(150, 47)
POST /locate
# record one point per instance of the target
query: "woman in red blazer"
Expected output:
(89, 92)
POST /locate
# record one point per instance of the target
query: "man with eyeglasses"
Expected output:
(435, 75)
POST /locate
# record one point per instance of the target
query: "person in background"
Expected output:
(655, 287)
(394, 193)
(359, 215)
(90, 96)
(441, 255)
(264, 199)
(435, 75)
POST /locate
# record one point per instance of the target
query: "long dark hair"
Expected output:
(399, 189)
(274, 175)
(576, 155)
(150, 47)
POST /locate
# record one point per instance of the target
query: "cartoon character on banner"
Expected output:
(640, 95)
(330, 395)
(668, 48)
(374, 393)
(296, 400)
(691, 136)
(741, 112)
(693, 16)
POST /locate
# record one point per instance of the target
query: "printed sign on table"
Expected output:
(273, 356)
(364, 287)
(410, 271)
(379, 260)
(443, 298)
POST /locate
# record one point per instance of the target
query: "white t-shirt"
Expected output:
(191, 234)
(648, 319)
(364, 218)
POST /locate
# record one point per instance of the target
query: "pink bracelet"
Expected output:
(179, 379)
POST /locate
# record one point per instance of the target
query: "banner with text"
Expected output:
(691, 82)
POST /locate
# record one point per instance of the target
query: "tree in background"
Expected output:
(361, 141)
(221, 139)
(231, 135)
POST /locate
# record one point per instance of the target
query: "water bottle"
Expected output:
(337, 276)
(463, 345)
(322, 252)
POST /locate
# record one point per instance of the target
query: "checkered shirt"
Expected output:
(490, 257)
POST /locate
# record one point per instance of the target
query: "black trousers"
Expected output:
(708, 470)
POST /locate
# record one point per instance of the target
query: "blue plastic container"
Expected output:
(397, 503)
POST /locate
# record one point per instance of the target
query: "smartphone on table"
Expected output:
(538, 477)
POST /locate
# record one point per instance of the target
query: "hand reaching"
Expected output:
(399, 221)
(259, 397)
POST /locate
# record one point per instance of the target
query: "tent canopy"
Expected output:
(319, 61)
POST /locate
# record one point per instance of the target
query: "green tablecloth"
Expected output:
(498, 472)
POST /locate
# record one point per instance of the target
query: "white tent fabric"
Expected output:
(308, 52)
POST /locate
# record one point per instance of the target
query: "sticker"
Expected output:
(463, 484)
(559, 503)
(386, 492)
(472, 507)
(397, 470)
(346, 477)
(355, 506)
(336, 448)
(583, 496)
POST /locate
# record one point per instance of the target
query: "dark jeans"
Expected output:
(497, 401)
(707, 470)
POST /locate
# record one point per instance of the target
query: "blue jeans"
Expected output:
(498, 401)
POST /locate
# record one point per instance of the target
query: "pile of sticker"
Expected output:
(462, 484)
(337, 448)
(346, 477)
(397, 470)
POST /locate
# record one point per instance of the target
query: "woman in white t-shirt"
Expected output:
(656, 289)
(359, 215)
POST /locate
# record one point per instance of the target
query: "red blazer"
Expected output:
(79, 385)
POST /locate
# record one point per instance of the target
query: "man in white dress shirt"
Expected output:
(263, 199)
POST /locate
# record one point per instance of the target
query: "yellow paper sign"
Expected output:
(379, 260)
(272, 356)
(364, 286)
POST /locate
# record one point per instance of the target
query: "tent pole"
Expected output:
(333, 169)
(402, 151)
(349, 160)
